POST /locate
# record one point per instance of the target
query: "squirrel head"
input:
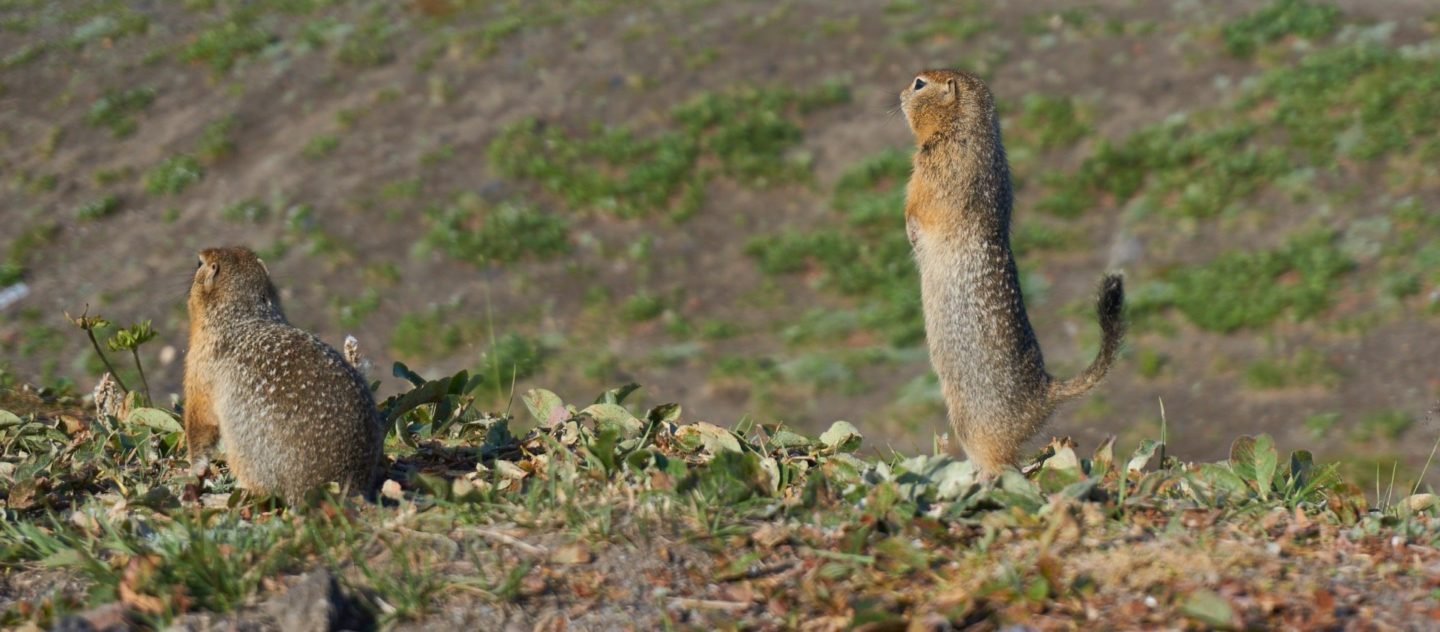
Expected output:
(233, 278)
(939, 103)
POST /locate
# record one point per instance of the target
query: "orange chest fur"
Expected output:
(927, 208)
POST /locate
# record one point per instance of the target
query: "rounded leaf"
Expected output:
(154, 418)
(841, 437)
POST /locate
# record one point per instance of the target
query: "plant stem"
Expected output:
(135, 353)
(116, 374)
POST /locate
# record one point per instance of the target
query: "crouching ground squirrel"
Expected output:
(957, 214)
(293, 413)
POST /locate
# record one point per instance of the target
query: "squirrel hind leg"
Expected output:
(202, 429)
(992, 454)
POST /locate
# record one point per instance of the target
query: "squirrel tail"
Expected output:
(1111, 310)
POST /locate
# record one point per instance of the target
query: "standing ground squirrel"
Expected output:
(957, 214)
(293, 413)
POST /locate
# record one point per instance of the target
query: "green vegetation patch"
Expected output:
(109, 27)
(117, 109)
(217, 140)
(867, 256)
(1309, 367)
(1242, 290)
(98, 209)
(1178, 166)
(1048, 122)
(1384, 424)
(223, 44)
(482, 234)
(509, 358)
(435, 333)
(475, 506)
(1301, 18)
(173, 175)
(1361, 100)
(748, 134)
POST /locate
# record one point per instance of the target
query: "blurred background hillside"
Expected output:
(706, 198)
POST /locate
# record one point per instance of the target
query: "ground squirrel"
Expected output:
(293, 413)
(957, 214)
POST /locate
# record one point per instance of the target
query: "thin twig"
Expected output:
(505, 538)
(710, 604)
(135, 353)
(90, 333)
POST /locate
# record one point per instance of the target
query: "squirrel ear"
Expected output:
(952, 90)
(211, 271)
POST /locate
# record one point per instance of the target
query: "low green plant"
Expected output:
(613, 170)
(320, 146)
(1246, 290)
(116, 110)
(510, 357)
(1386, 424)
(1309, 367)
(217, 140)
(866, 255)
(173, 175)
(1051, 122)
(1280, 18)
(642, 306)
(223, 44)
(470, 230)
(248, 211)
(98, 209)
(368, 46)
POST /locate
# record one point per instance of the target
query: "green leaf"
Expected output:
(618, 394)
(1104, 458)
(422, 394)
(1142, 455)
(1242, 457)
(1052, 480)
(772, 471)
(614, 416)
(1015, 491)
(9, 419)
(784, 439)
(546, 407)
(401, 371)
(713, 439)
(1302, 465)
(664, 413)
(1265, 464)
(1222, 479)
(603, 448)
(1209, 608)
(460, 383)
(841, 437)
(1064, 459)
(731, 477)
(154, 418)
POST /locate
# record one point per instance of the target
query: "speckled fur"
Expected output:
(292, 412)
(957, 213)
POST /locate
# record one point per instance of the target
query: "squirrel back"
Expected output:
(293, 413)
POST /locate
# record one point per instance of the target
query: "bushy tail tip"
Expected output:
(1110, 309)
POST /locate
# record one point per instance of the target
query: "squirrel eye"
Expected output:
(199, 263)
(919, 83)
